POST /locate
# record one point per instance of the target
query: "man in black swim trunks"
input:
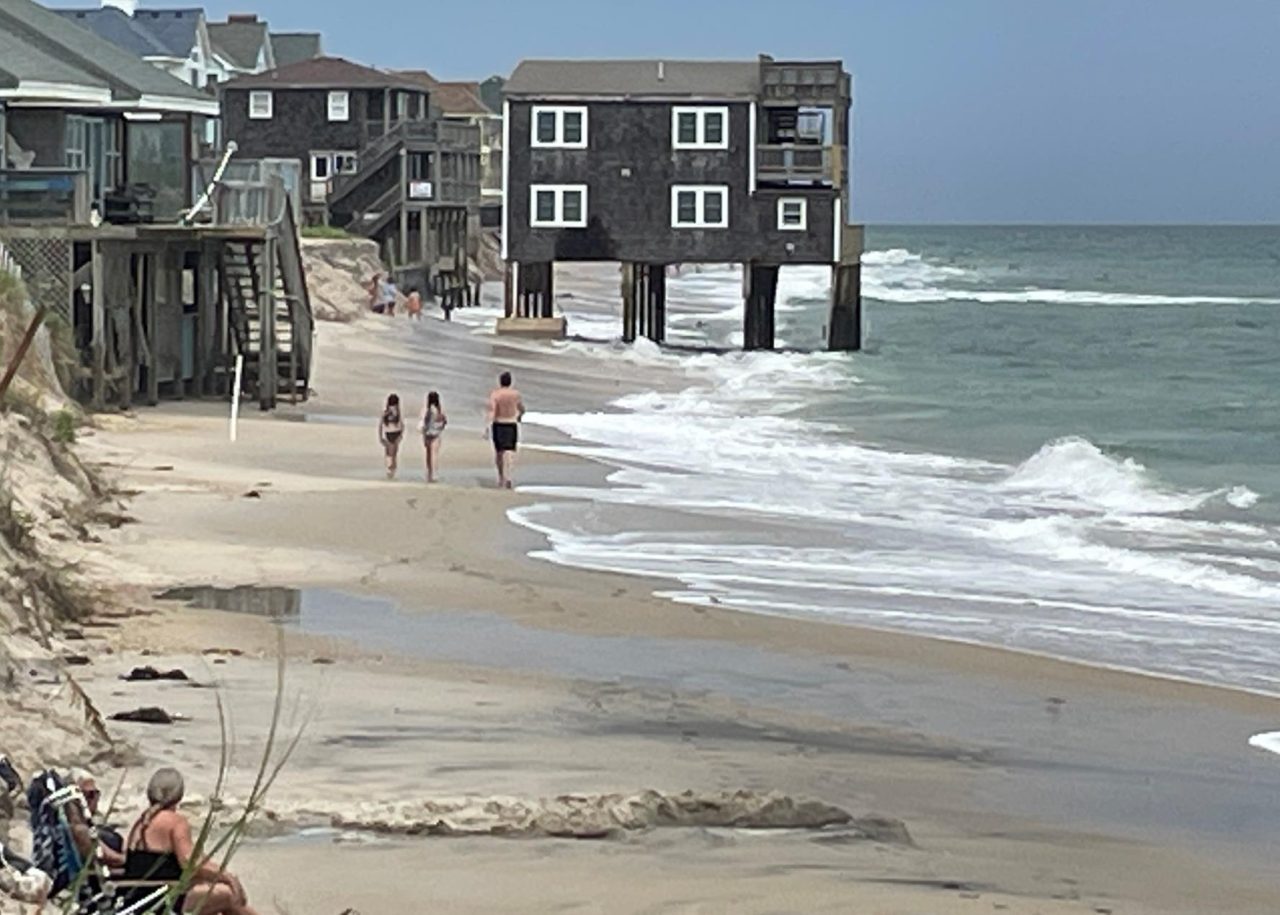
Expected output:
(502, 420)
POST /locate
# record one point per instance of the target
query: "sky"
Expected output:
(969, 111)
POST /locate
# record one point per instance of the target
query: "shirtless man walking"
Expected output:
(502, 421)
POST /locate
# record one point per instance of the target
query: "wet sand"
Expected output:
(461, 668)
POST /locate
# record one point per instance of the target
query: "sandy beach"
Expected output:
(453, 692)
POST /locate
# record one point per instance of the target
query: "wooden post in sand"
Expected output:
(235, 396)
(99, 330)
(759, 292)
(628, 302)
(27, 339)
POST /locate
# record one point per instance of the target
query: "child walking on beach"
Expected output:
(413, 304)
(432, 425)
(390, 432)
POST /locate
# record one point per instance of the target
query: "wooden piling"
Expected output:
(267, 372)
(628, 302)
(156, 277)
(99, 306)
(759, 292)
(844, 326)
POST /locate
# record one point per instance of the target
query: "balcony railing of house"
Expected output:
(243, 197)
(798, 163)
(439, 134)
(50, 196)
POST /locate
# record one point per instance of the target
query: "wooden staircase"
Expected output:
(261, 277)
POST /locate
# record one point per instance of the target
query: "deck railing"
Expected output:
(50, 196)
(798, 163)
(243, 195)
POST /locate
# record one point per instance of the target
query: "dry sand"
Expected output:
(463, 686)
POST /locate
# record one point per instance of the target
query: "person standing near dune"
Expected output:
(502, 422)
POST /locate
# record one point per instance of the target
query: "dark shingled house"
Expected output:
(378, 160)
(659, 162)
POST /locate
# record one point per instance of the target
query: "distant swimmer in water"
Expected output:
(432, 426)
(390, 432)
(502, 421)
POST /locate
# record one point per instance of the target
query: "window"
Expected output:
(696, 206)
(700, 128)
(561, 127)
(339, 106)
(793, 214)
(558, 206)
(328, 164)
(74, 156)
(260, 106)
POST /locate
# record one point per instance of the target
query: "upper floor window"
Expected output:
(339, 105)
(560, 126)
(700, 128)
(558, 205)
(260, 105)
(700, 206)
(793, 214)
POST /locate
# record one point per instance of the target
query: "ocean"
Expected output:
(1062, 440)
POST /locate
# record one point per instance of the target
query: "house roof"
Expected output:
(294, 47)
(240, 41)
(151, 33)
(45, 56)
(324, 73)
(710, 79)
(460, 98)
(422, 78)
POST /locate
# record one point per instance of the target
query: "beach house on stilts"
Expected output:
(379, 160)
(164, 280)
(660, 162)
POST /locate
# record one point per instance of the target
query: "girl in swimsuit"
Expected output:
(432, 425)
(390, 432)
(160, 850)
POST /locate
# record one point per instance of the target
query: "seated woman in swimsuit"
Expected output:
(160, 848)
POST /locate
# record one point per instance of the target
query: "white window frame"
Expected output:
(700, 112)
(339, 105)
(703, 191)
(559, 111)
(257, 110)
(803, 224)
(558, 222)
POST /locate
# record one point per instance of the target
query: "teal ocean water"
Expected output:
(1058, 439)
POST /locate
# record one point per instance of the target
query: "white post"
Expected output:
(235, 395)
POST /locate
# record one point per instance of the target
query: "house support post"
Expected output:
(175, 267)
(656, 302)
(206, 299)
(629, 320)
(156, 276)
(536, 292)
(844, 327)
(99, 328)
(268, 375)
(759, 292)
(509, 282)
(403, 197)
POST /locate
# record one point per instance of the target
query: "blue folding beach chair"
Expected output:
(56, 808)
